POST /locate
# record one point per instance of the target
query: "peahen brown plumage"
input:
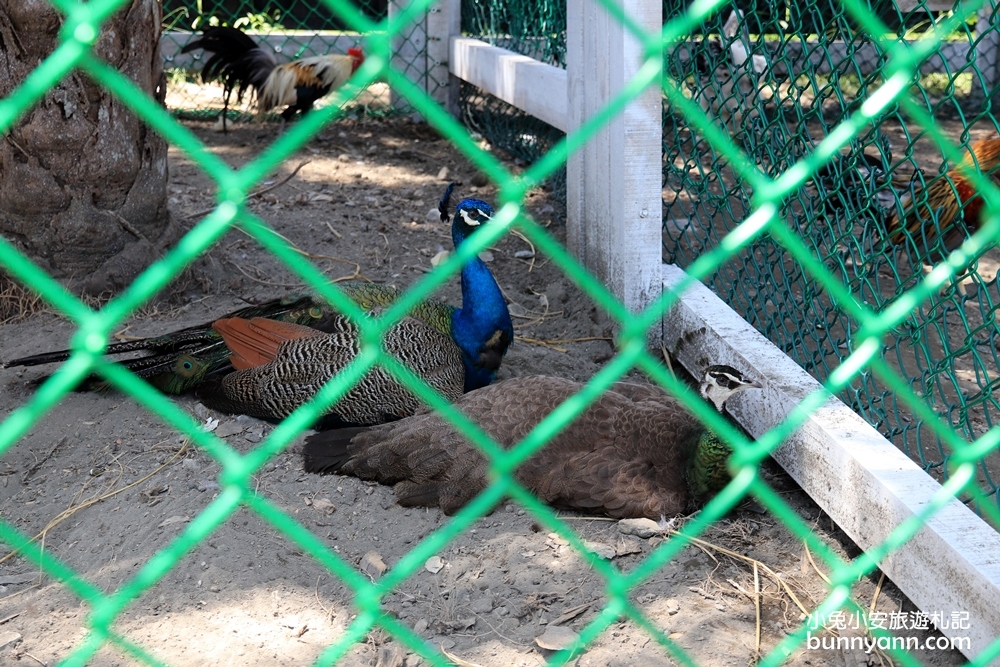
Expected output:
(635, 452)
(285, 349)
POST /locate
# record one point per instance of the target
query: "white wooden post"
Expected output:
(408, 53)
(987, 58)
(443, 22)
(613, 184)
(420, 51)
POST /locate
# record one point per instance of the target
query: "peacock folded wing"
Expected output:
(300, 366)
(623, 458)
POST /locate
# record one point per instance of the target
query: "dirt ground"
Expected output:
(109, 484)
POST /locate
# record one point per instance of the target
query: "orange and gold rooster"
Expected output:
(241, 63)
(941, 216)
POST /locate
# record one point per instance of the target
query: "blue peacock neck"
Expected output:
(482, 327)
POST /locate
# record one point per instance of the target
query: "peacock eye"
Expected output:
(187, 365)
(473, 216)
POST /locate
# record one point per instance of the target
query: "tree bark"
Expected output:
(82, 179)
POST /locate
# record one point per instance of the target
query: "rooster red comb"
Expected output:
(357, 57)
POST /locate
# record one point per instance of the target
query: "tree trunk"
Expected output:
(82, 179)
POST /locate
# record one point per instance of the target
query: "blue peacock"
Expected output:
(266, 360)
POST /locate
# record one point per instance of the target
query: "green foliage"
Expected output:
(266, 21)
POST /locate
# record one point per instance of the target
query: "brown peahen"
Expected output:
(634, 452)
(285, 349)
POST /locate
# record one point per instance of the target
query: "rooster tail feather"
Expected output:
(278, 89)
(236, 60)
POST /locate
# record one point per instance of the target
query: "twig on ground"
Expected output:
(128, 227)
(38, 464)
(756, 604)
(878, 591)
(458, 661)
(16, 145)
(70, 511)
(747, 559)
(531, 264)
(553, 343)
(255, 194)
(43, 664)
(666, 359)
(329, 612)
(357, 275)
(816, 567)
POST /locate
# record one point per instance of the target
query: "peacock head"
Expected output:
(720, 382)
(469, 215)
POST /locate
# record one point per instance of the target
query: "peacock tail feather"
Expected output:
(180, 361)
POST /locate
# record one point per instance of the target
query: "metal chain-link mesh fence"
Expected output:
(536, 29)
(810, 67)
(772, 234)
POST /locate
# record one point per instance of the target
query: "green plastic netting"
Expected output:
(757, 186)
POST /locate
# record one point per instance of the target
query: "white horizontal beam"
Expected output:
(866, 485)
(530, 85)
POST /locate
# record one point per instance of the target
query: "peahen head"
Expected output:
(706, 470)
(482, 328)
(720, 382)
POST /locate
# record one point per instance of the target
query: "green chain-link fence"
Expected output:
(536, 29)
(770, 229)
